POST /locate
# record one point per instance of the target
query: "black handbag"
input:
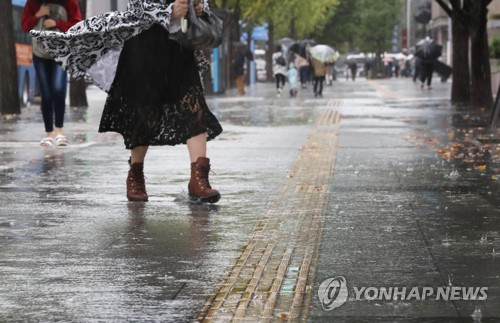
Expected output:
(202, 32)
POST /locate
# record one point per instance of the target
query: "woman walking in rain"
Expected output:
(279, 70)
(51, 14)
(155, 94)
(319, 71)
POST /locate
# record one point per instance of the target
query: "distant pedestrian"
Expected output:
(279, 70)
(52, 79)
(293, 79)
(303, 67)
(426, 70)
(240, 56)
(319, 72)
(354, 70)
(155, 93)
(397, 68)
(329, 74)
(368, 67)
(416, 68)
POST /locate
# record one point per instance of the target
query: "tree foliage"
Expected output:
(341, 29)
(376, 22)
(305, 17)
(362, 25)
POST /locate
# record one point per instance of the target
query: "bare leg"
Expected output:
(138, 154)
(58, 132)
(197, 147)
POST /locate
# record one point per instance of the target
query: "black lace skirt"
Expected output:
(156, 97)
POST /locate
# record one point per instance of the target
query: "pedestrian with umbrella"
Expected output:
(321, 55)
(319, 72)
(301, 48)
(428, 51)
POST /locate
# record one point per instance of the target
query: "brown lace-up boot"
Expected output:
(199, 186)
(136, 186)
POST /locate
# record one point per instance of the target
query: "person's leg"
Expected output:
(303, 79)
(138, 154)
(197, 147)
(280, 81)
(240, 85)
(315, 86)
(136, 185)
(429, 75)
(321, 81)
(59, 86)
(199, 186)
(423, 74)
(44, 76)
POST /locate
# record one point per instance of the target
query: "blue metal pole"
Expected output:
(215, 72)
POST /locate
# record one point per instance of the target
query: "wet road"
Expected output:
(72, 248)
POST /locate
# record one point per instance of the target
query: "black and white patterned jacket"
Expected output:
(92, 47)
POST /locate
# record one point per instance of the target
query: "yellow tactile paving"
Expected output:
(385, 92)
(273, 276)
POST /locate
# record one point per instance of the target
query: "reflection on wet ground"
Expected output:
(263, 115)
(73, 248)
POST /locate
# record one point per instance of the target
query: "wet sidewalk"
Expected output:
(367, 183)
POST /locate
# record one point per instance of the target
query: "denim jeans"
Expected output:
(53, 83)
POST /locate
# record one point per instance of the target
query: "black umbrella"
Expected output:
(300, 47)
(428, 49)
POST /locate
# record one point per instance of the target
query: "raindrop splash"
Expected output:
(477, 315)
(446, 241)
(484, 239)
(453, 175)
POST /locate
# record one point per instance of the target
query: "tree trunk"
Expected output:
(248, 31)
(77, 88)
(481, 94)
(460, 88)
(9, 95)
(293, 31)
(269, 52)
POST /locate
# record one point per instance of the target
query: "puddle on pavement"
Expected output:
(262, 114)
